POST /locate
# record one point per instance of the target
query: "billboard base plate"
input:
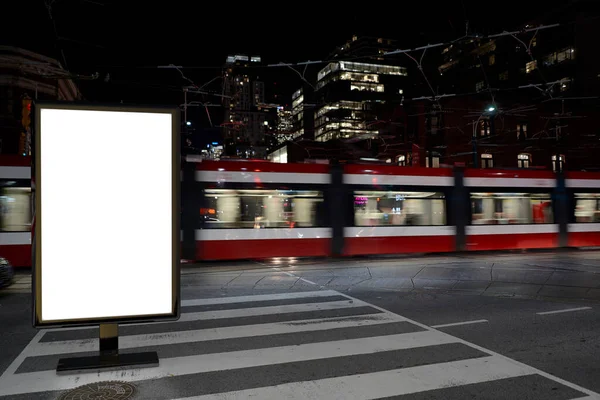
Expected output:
(107, 362)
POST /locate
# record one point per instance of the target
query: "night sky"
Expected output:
(125, 40)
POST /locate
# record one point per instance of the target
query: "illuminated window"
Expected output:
(258, 209)
(531, 66)
(560, 56)
(401, 160)
(511, 208)
(393, 208)
(359, 77)
(587, 207)
(503, 76)
(487, 161)
(492, 59)
(523, 160)
(432, 161)
(366, 87)
(380, 40)
(522, 131)
(15, 211)
(558, 163)
(484, 127)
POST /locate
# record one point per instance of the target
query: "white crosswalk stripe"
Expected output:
(306, 345)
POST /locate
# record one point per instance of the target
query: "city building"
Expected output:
(522, 101)
(352, 98)
(364, 47)
(245, 116)
(356, 96)
(303, 113)
(284, 131)
(26, 76)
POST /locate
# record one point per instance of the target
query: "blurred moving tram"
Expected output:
(233, 210)
(16, 210)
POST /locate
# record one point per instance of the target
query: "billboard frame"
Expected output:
(36, 184)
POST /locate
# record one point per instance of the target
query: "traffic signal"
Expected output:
(26, 114)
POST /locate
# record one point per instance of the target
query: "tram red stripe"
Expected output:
(512, 241)
(18, 255)
(583, 239)
(398, 244)
(248, 249)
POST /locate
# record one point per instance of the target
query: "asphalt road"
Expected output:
(497, 326)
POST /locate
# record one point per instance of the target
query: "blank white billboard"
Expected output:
(106, 228)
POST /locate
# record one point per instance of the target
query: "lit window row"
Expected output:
(297, 101)
(15, 209)
(341, 105)
(587, 207)
(261, 209)
(344, 133)
(367, 87)
(361, 67)
(395, 208)
(524, 160)
(511, 208)
(560, 56)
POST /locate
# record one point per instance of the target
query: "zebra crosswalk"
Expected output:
(305, 345)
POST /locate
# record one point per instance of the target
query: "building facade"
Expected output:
(303, 113)
(353, 96)
(244, 94)
(523, 101)
(26, 76)
(368, 48)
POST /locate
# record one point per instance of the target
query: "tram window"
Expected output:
(511, 208)
(587, 207)
(15, 209)
(257, 209)
(375, 208)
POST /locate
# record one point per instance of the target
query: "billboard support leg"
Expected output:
(109, 339)
(108, 357)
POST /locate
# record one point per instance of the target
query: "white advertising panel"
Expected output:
(106, 229)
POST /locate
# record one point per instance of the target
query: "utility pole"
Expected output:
(185, 105)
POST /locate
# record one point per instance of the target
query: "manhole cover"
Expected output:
(101, 391)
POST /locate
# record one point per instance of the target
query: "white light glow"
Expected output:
(106, 214)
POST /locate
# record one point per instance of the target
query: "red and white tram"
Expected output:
(256, 209)
(583, 190)
(259, 210)
(398, 210)
(511, 210)
(15, 210)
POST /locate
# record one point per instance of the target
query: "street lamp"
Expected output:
(188, 123)
(491, 109)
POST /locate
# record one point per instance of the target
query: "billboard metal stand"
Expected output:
(108, 357)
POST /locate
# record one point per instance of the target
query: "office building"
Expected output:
(244, 93)
(352, 98)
